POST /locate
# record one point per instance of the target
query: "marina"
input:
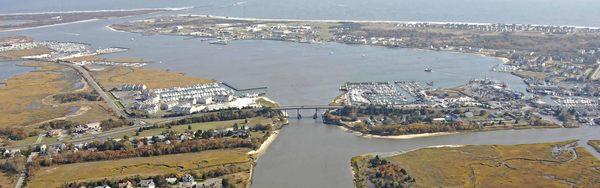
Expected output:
(383, 93)
(308, 153)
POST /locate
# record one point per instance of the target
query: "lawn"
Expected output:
(215, 125)
(530, 165)
(55, 176)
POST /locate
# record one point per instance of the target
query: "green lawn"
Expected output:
(209, 126)
(198, 126)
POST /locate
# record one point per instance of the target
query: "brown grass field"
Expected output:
(27, 99)
(153, 78)
(116, 59)
(595, 144)
(144, 166)
(21, 98)
(27, 52)
(528, 165)
(7, 180)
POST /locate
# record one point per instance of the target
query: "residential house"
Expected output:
(126, 184)
(149, 183)
(55, 132)
(210, 183)
(222, 98)
(171, 181)
(187, 181)
(93, 126)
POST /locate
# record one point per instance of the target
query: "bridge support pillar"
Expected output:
(298, 112)
(316, 113)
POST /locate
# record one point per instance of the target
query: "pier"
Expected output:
(259, 90)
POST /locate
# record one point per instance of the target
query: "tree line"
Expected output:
(14, 133)
(384, 174)
(227, 115)
(70, 125)
(160, 180)
(73, 97)
(157, 149)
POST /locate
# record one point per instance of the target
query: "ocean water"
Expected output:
(556, 12)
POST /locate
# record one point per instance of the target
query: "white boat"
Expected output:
(221, 42)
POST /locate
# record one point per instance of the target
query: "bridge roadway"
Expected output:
(309, 107)
(112, 103)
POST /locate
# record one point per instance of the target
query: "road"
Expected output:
(92, 82)
(89, 138)
(112, 103)
(23, 175)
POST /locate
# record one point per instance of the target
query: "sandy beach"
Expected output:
(52, 25)
(369, 21)
(95, 11)
(398, 137)
(263, 147)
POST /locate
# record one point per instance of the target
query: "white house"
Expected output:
(205, 100)
(223, 98)
(149, 183)
(168, 105)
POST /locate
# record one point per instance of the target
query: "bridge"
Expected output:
(308, 107)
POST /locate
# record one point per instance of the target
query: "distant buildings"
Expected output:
(138, 87)
(149, 183)
(211, 183)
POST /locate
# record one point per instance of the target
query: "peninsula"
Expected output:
(560, 164)
(21, 21)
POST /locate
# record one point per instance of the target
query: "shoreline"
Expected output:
(84, 11)
(369, 21)
(396, 137)
(96, 11)
(396, 153)
(423, 135)
(265, 145)
(51, 25)
(115, 30)
(258, 153)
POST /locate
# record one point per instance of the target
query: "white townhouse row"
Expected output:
(202, 92)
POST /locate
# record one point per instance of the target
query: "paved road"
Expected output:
(22, 177)
(92, 82)
(113, 105)
(101, 136)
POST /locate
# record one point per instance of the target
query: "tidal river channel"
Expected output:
(308, 153)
